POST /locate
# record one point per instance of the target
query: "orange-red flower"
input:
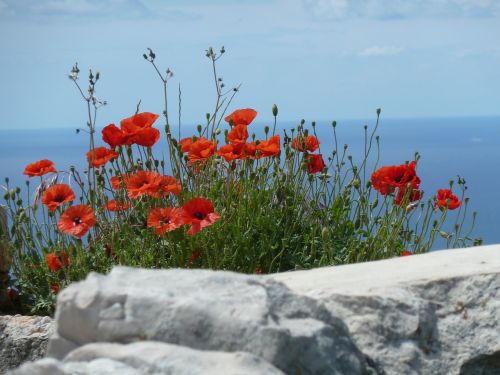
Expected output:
(201, 149)
(241, 117)
(169, 184)
(39, 168)
(446, 199)
(113, 205)
(238, 134)
(166, 219)
(406, 253)
(56, 262)
(250, 150)
(315, 163)
(200, 213)
(116, 181)
(55, 288)
(113, 136)
(57, 195)
(77, 220)
(231, 152)
(100, 156)
(270, 147)
(414, 195)
(186, 144)
(302, 143)
(139, 121)
(387, 179)
(143, 182)
(145, 137)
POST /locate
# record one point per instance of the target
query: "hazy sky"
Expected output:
(316, 59)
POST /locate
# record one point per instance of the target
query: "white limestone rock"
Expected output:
(206, 310)
(437, 313)
(148, 357)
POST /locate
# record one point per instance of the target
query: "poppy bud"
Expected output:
(378, 111)
(18, 189)
(217, 131)
(444, 234)
(275, 110)
(157, 163)
(19, 202)
(334, 124)
(145, 56)
(266, 129)
(374, 204)
(6, 196)
(198, 127)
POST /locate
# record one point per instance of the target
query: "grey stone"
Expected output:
(437, 313)
(149, 357)
(206, 310)
(22, 338)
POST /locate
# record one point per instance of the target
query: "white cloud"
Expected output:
(380, 51)
(393, 9)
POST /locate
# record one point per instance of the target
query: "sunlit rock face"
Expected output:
(437, 313)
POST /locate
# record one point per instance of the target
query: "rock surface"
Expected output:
(437, 313)
(206, 310)
(149, 357)
(22, 338)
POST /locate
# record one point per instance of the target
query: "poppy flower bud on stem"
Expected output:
(334, 124)
(198, 128)
(275, 110)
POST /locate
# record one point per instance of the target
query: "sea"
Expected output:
(468, 147)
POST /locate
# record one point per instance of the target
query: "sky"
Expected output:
(315, 59)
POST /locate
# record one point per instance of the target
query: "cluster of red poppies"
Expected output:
(403, 180)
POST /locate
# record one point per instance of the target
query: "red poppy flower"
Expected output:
(56, 195)
(231, 152)
(195, 255)
(315, 163)
(446, 199)
(238, 134)
(250, 150)
(138, 122)
(39, 168)
(113, 136)
(116, 181)
(406, 253)
(309, 143)
(169, 184)
(414, 195)
(201, 149)
(114, 206)
(55, 288)
(270, 147)
(186, 144)
(200, 213)
(56, 262)
(100, 156)
(143, 182)
(166, 219)
(241, 117)
(387, 179)
(145, 137)
(77, 220)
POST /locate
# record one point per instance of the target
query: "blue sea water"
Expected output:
(468, 146)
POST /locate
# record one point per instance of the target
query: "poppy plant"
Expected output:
(145, 137)
(200, 213)
(100, 156)
(113, 136)
(315, 163)
(303, 143)
(446, 199)
(114, 206)
(231, 152)
(201, 149)
(238, 134)
(241, 117)
(387, 179)
(57, 195)
(138, 121)
(270, 147)
(56, 262)
(143, 183)
(169, 184)
(186, 143)
(77, 220)
(165, 219)
(406, 253)
(39, 168)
